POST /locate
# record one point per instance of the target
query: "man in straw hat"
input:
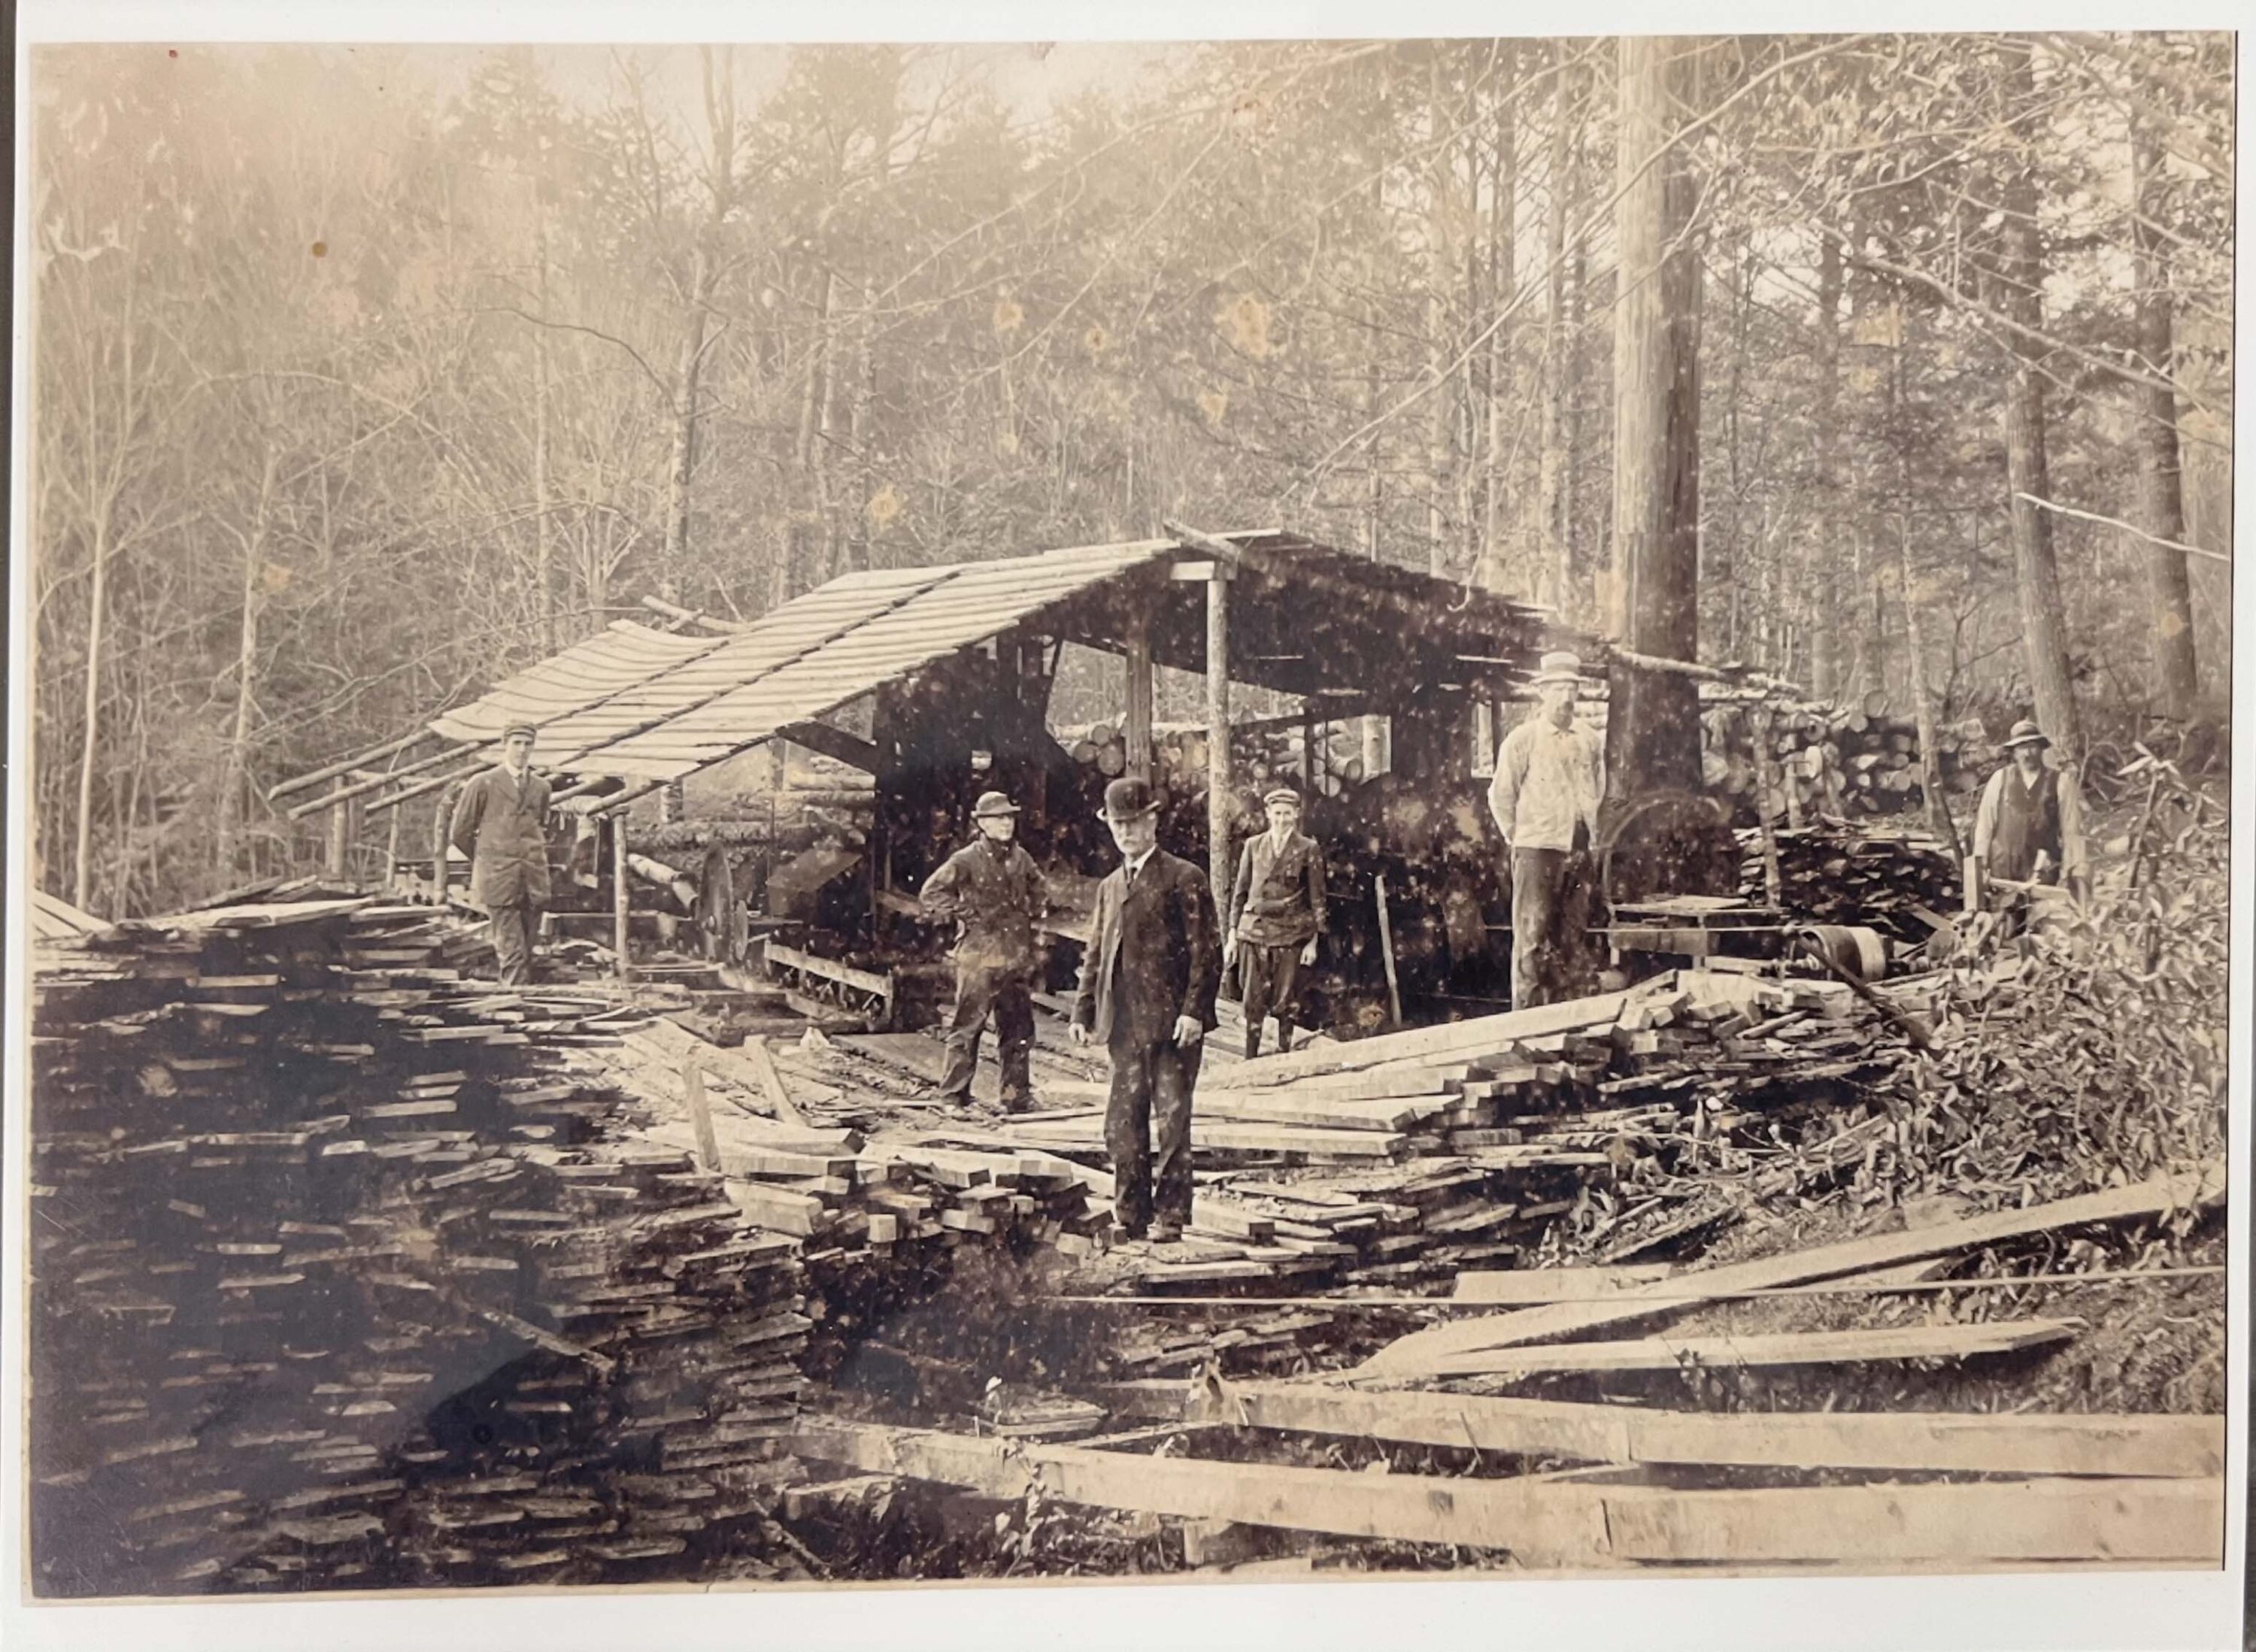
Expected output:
(1146, 994)
(993, 891)
(2029, 827)
(1550, 775)
(501, 823)
(1276, 913)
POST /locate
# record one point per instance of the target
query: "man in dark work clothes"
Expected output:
(1146, 994)
(2029, 827)
(1276, 913)
(501, 823)
(993, 891)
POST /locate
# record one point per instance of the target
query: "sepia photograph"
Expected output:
(820, 818)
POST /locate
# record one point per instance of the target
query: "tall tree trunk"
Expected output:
(1578, 605)
(685, 371)
(1503, 285)
(1558, 574)
(235, 781)
(2161, 485)
(90, 730)
(859, 438)
(2044, 626)
(543, 500)
(704, 276)
(1440, 258)
(1822, 629)
(1939, 819)
(1652, 722)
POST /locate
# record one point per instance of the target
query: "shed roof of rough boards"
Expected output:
(1305, 618)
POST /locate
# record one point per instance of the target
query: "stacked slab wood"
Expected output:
(340, 1279)
(1832, 871)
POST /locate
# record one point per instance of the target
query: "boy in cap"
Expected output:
(1276, 913)
(1146, 994)
(501, 823)
(993, 891)
(2029, 827)
(1550, 777)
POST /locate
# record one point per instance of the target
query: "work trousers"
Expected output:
(1152, 1086)
(1268, 982)
(1007, 994)
(1550, 925)
(513, 928)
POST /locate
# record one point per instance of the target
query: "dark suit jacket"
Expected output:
(1152, 954)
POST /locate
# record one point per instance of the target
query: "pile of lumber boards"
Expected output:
(1902, 883)
(342, 1278)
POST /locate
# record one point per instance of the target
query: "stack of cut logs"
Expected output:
(1902, 884)
(1840, 760)
(341, 1279)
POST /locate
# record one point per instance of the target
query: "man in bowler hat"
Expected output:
(1146, 994)
(993, 891)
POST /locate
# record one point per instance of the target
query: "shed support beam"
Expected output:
(1217, 736)
(619, 896)
(1140, 689)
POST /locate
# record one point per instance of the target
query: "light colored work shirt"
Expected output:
(1546, 779)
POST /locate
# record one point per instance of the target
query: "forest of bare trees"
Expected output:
(364, 377)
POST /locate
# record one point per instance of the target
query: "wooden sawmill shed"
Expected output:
(936, 681)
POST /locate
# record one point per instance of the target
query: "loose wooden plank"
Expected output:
(1525, 1285)
(1486, 1034)
(1420, 1349)
(2166, 1446)
(1786, 1348)
(1289, 1106)
(1563, 1523)
(1225, 1136)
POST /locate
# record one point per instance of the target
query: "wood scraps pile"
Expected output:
(341, 1278)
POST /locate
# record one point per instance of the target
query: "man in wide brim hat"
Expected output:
(993, 890)
(1276, 913)
(1146, 992)
(2029, 827)
(1550, 776)
(501, 823)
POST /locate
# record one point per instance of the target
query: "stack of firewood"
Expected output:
(1831, 872)
(1841, 761)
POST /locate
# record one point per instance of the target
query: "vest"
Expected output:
(2028, 821)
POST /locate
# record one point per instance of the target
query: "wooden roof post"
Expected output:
(1217, 734)
(340, 837)
(619, 894)
(1139, 686)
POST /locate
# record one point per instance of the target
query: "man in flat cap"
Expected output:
(1276, 913)
(1146, 994)
(1550, 777)
(993, 891)
(501, 823)
(2029, 827)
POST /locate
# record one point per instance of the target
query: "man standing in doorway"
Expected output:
(501, 823)
(1276, 913)
(1550, 777)
(993, 891)
(2029, 827)
(1146, 994)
